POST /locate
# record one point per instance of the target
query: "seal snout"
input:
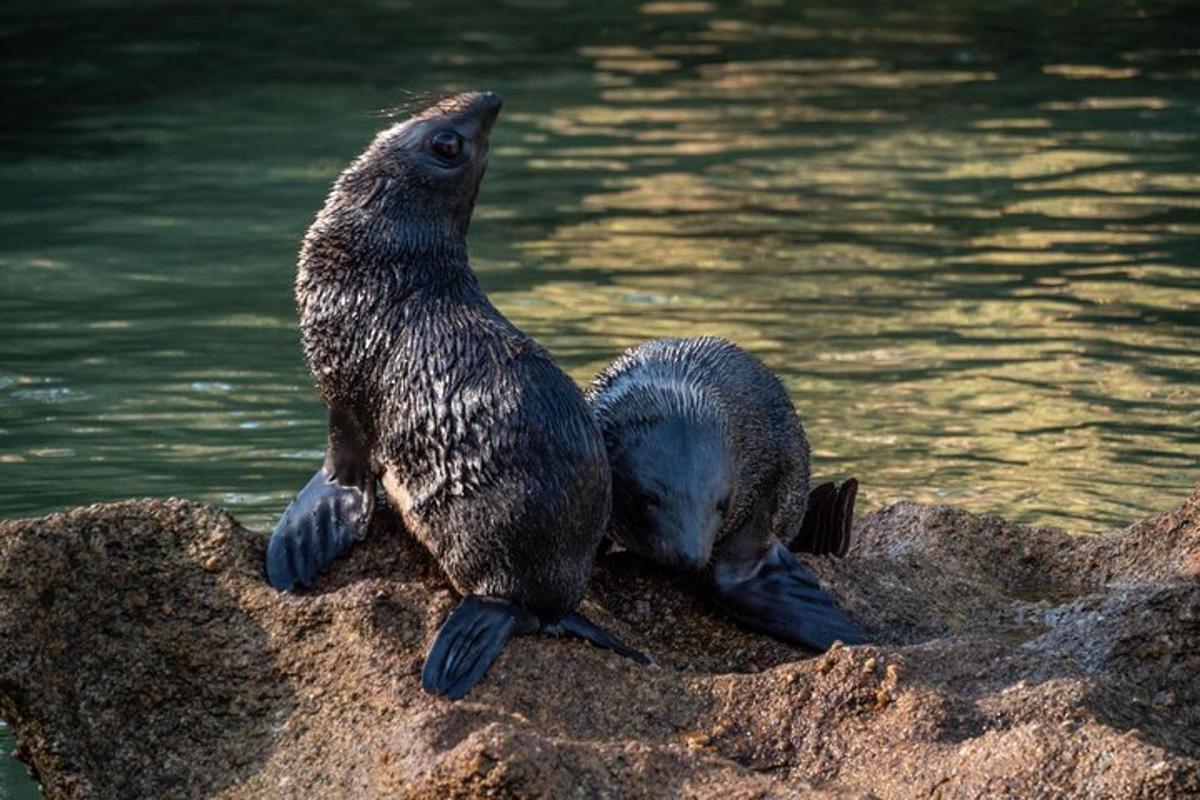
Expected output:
(487, 106)
(689, 545)
(490, 102)
(477, 110)
(481, 108)
(471, 113)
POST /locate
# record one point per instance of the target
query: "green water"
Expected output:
(966, 235)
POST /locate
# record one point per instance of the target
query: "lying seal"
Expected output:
(710, 469)
(486, 449)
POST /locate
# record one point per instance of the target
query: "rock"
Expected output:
(143, 655)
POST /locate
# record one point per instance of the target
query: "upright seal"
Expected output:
(486, 449)
(710, 468)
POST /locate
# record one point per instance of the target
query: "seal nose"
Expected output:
(488, 105)
(690, 546)
(477, 111)
(491, 101)
(689, 560)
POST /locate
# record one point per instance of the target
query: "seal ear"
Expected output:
(381, 187)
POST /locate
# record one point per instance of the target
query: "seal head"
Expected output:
(415, 186)
(673, 479)
(710, 469)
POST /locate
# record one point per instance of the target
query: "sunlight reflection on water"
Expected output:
(975, 267)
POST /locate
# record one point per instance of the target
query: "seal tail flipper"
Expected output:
(847, 494)
(828, 520)
(809, 539)
(781, 597)
(319, 525)
(469, 641)
(579, 626)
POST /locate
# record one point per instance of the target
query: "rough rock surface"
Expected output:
(142, 655)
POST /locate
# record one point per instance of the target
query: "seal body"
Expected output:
(483, 445)
(737, 448)
(486, 449)
(710, 468)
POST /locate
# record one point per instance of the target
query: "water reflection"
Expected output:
(965, 234)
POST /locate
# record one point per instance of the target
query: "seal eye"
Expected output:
(723, 505)
(446, 145)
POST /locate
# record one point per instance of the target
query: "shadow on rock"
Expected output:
(127, 665)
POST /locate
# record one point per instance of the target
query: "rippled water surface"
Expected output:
(965, 235)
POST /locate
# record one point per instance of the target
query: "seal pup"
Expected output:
(710, 471)
(486, 449)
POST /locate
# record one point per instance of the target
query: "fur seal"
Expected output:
(710, 470)
(486, 449)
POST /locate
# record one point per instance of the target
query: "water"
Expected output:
(965, 235)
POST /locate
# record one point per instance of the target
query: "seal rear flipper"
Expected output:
(323, 521)
(828, 520)
(781, 597)
(469, 641)
(579, 626)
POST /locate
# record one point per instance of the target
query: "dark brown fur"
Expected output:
(484, 446)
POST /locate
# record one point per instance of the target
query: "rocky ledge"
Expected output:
(142, 655)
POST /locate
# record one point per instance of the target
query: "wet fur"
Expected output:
(710, 471)
(485, 447)
(719, 387)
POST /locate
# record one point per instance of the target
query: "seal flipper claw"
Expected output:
(469, 641)
(318, 526)
(828, 520)
(579, 626)
(781, 597)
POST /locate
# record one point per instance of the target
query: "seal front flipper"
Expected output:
(579, 626)
(827, 521)
(319, 526)
(329, 514)
(780, 597)
(469, 641)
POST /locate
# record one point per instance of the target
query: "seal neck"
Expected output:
(430, 272)
(415, 257)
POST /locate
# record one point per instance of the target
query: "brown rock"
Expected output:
(142, 655)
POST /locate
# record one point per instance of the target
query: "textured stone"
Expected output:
(142, 655)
